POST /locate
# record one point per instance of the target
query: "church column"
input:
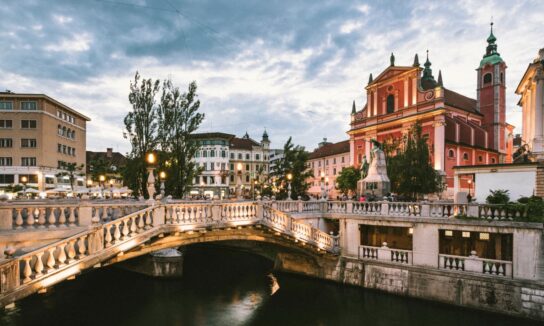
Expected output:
(538, 113)
(405, 92)
(439, 142)
(414, 90)
(375, 105)
(351, 151)
(367, 149)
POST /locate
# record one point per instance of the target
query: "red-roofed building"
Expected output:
(461, 130)
(326, 162)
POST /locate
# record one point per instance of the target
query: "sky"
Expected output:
(292, 67)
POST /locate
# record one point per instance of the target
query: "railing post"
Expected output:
(349, 207)
(159, 215)
(96, 240)
(473, 264)
(385, 208)
(259, 214)
(85, 214)
(216, 211)
(384, 253)
(6, 218)
(473, 210)
(300, 207)
(273, 204)
(9, 276)
(425, 209)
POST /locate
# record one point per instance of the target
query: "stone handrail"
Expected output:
(476, 264)
(405, 209)
(384, 253)
(59, 260)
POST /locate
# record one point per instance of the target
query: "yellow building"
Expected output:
(38, 134)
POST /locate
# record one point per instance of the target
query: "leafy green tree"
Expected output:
(72, 170)
(410, 170)
(178, 118)
(98, 167)
(499, 196)
(141, 127)
(294, 162)
(347, 180)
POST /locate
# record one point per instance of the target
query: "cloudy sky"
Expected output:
(292, 67)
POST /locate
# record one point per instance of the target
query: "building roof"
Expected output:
(330, 149)
(243, 143)
(210, 135)
(9, 94)
(459, 101)
(113, 158)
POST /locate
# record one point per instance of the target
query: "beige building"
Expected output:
(38, 134)
(249, 164)
(326, 162)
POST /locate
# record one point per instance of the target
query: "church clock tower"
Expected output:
(491, 91)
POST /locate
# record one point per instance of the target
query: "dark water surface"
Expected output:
(222, 287)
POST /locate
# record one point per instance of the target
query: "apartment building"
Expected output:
(37, 135)
(326, 163)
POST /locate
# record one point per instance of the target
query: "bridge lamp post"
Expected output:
(101, 180)
(111, 182)
(24, 180)
(162, 177)
(151, 159)
(289, 178)
(89, 183)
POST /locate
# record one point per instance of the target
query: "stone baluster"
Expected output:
(50, 259)
(51, 220)
(117, 232)
(71, 250)
(18, 218)
(38, 266)
(72, 216)
(107, 237)
(148, 220)
(81, 246)
(62, 217)
(41, 217)
(125, 231)
(133, 228)
(29, 217)
(62, 255)
(27, 270)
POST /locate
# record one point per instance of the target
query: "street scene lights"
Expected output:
(24, 180)
(469, 189)
(162, 177)
(151, 160)
(89, 183)
(289, 178)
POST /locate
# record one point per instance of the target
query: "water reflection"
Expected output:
(225, 288)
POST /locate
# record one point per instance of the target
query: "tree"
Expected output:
(178, 118)
(98, 167)
(294, 162)
(499, 196)
(410, 171)
(71, 170)
(141, 126)
(347, 180)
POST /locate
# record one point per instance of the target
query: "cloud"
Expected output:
(294, 68)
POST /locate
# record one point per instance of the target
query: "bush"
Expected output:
(499, 196)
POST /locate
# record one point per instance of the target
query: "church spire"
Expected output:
(491, 55)
(440, 83)
(416, 61)
(353, 110)
(427, 81)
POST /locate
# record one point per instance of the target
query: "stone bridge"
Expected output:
(159, 226)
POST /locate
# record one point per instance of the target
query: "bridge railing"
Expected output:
(405, 209)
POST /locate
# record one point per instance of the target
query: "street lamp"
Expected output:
(89, 182)
(162, 177)
(24, 180)
(469, 187)
(289, 178)
(254, 186)
(101, 180)
(151, 160)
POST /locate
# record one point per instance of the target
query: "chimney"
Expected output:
(109, 152)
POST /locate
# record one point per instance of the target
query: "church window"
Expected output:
(487, 78)
(465, 156)
(480, 158)
(493, 160)
(451, 153)
(502, 78)
(390, 103)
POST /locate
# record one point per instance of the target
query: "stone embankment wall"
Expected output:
(501, 295)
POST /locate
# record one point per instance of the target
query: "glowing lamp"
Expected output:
(150, 158)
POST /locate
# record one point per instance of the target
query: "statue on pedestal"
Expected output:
(376, 182)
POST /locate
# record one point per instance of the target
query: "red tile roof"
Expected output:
(243, 143)
(459, 101)
(330, 149)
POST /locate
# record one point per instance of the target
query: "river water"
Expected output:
(222, 287)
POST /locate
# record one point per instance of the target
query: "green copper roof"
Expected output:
(491, 60)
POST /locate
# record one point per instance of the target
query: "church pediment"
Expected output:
(390, 73)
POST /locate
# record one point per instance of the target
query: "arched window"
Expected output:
(390, 103)
(465, 156)
(487, 78)
(59, 127)
(493, 160)
(451, 153)
(480, 158)
(502, 78)
(63, 131)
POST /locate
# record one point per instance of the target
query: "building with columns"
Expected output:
(531, 90)
(461, 130)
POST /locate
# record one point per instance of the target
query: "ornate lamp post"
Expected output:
(111, 182)
(469, 187)
(151, 159)
(254, 188)
(289, 178)
(162, 177)
(24, 180)
(239, 171)
(101, 180)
